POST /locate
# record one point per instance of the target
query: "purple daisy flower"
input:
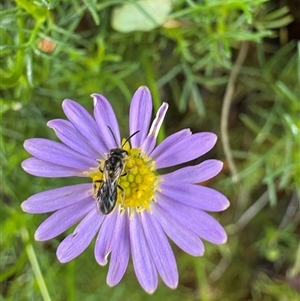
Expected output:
(149, 206)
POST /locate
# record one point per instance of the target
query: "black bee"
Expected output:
(115, 163)
(107, 192)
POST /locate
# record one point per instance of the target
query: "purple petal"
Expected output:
(106, 118)
(104, 242)
(74, 244)
(85, 124)
(143, 264)
(160, 249)
(69, 135)
(140, 115)
(58, 153)
(41, 168)
(185, 239)
(186, 150)
(63, 219)
(194, 219)
(195, 174)
(169, 142)
(150, 140)
(200, 197)
(55, 199)
(120, 254)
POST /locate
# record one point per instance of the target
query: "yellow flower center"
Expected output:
(136, 185)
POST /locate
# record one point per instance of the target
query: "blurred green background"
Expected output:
(227, 66)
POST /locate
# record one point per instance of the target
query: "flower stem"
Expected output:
(226, 108)
(35, 266)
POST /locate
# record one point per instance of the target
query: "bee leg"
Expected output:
(95, 185)
(99, 161)
(127, 172)
(121, 188)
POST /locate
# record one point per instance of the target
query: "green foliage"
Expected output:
(275, 125)
(51, 50)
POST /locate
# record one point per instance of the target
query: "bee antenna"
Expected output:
(129, 138)
(112, 133)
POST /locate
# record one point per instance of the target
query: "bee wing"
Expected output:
(118, 172)
(113, 188)
(106, 176)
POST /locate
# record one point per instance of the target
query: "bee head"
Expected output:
(118, 152)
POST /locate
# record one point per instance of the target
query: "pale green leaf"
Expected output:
(143, 15)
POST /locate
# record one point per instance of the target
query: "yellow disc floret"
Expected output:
(138, 182)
